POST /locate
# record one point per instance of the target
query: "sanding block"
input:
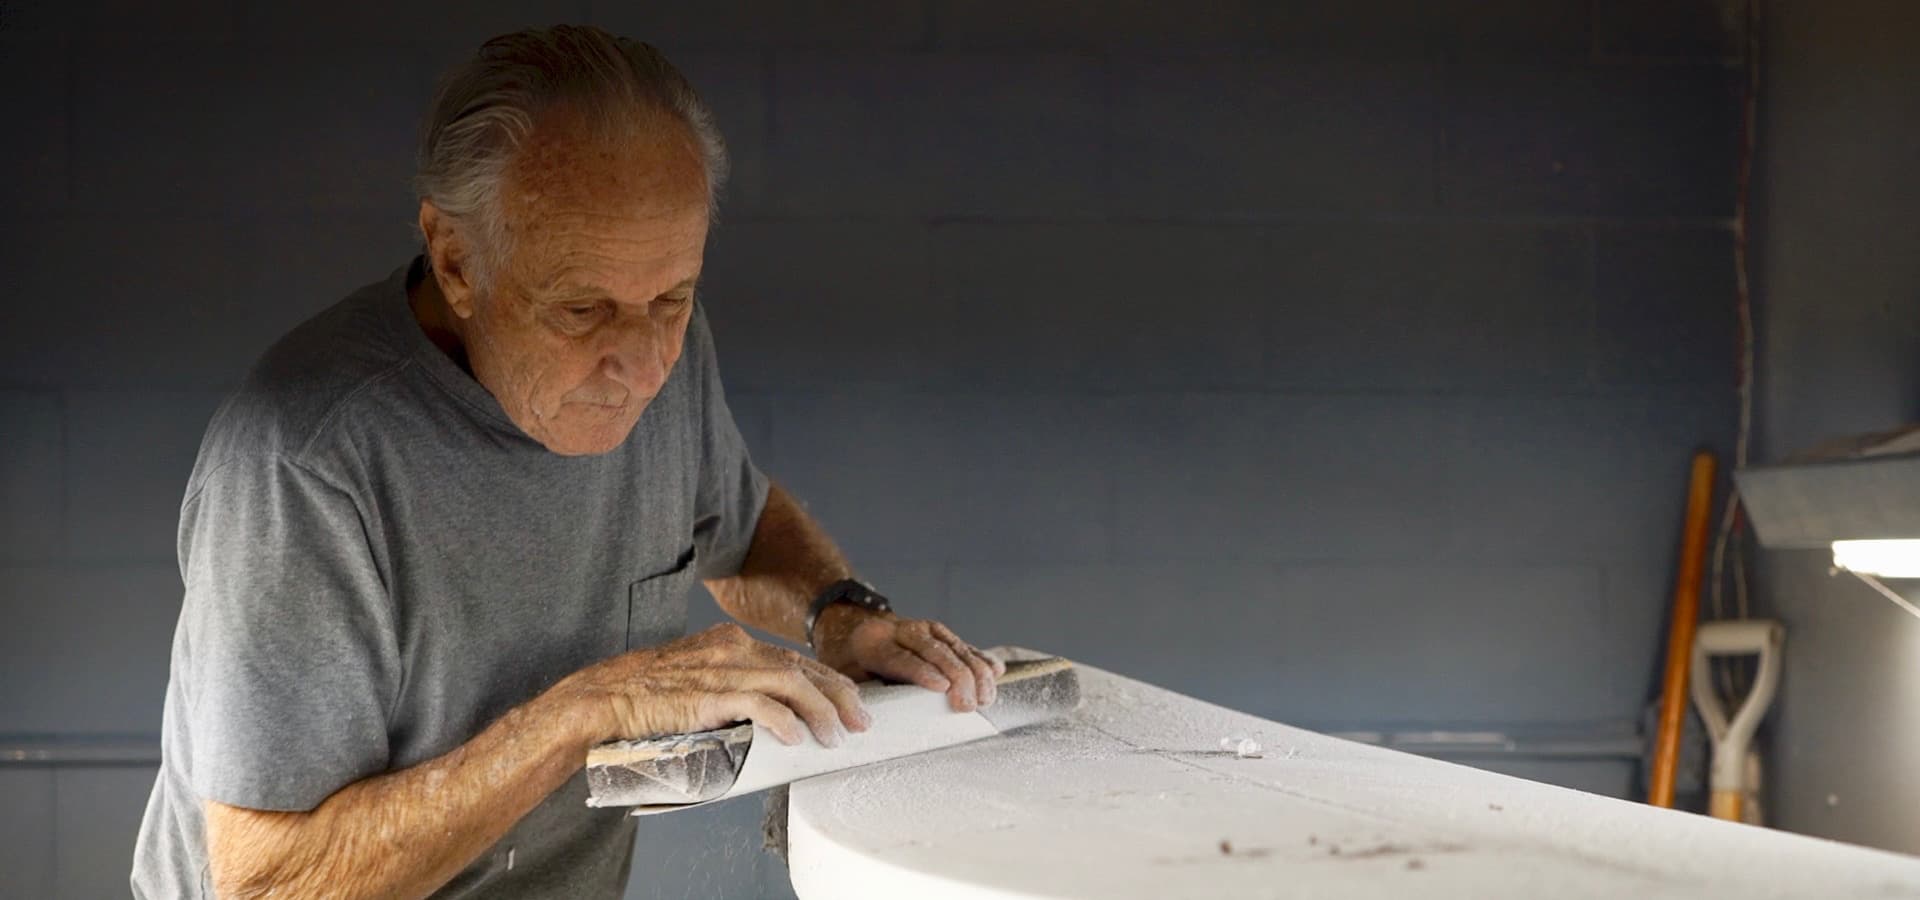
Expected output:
(681, 771)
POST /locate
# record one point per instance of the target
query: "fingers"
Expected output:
(755, 707)
(841, 692)
(901, 664)
(794, 687)
(985, 679)
(836, 687)
(962, 691)
(999, 665)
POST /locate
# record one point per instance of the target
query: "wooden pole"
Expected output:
(1686, 617)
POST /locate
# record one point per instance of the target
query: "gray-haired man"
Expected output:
(437, 545)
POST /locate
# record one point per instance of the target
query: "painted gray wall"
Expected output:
(1337, 361)
(1840, 280)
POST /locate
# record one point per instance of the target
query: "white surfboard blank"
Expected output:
(1134, 796)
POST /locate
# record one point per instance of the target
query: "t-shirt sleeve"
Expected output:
(291, 663)
(731, 490)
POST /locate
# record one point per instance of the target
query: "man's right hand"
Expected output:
(708, 680)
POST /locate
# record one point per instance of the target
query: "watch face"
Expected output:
(869, 598)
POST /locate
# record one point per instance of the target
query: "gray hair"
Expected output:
(486, 107)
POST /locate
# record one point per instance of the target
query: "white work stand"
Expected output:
(1134, 797)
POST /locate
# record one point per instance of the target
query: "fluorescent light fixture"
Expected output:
(1859, 496)
(1885, 558)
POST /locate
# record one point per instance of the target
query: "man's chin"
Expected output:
(588, 432)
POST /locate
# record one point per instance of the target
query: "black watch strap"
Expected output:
(846, 590)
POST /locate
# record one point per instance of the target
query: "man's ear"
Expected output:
(451, 254)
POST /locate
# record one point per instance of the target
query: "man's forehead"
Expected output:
(625, 220)
(646, 172)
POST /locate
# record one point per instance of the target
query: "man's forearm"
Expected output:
(404, 833)
(789, 562)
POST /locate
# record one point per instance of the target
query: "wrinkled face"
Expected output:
(583, 321)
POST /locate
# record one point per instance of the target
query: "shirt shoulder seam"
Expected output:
(296, 456)
(333, 412)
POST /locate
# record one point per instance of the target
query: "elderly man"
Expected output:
(438, 544)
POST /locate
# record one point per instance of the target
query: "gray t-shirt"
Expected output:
(378, 563)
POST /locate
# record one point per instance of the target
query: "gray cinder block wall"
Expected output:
(1840, 314)
(1335, 361)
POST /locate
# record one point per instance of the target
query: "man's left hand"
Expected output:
(860, 643)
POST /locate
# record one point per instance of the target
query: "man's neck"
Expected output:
(441, 326)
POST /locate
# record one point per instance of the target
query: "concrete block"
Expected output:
(32, 473)
(1386, 643)
(296, 269)
(829, 305)
(1853, 342)
(1368, 27)
(1426, 307)
(1511, 29)
(26, 843)
(735, 87)
(128, 457)
(753, 415)
(1594, 476)
(86, 650)
(1336, 646)
(142, 329)
(1852, 400)
(1637, 594)
(1588, 140)
(202, 19)
(34, 148)
(29, 20)
(917, 590)
(930, 477)
(937, 134)
(1706, 30)
(1210, 631)
(1267, 477)
(1234, 137)
(1666, 306)
(739, 23)
(190, 305)
(264, 128)
(1102, 307)
(355, 21)
(96, 820)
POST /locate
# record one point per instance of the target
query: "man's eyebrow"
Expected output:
(570, 290)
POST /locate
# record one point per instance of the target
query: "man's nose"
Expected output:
(637, 358)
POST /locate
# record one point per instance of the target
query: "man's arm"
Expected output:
(791, 560)
(405, 833)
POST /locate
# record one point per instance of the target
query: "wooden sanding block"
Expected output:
(685, 770)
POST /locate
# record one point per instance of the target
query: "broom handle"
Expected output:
(1686, 617)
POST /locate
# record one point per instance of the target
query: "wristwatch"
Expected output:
(846, 590)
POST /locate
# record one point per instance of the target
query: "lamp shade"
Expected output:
(1812, 504)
